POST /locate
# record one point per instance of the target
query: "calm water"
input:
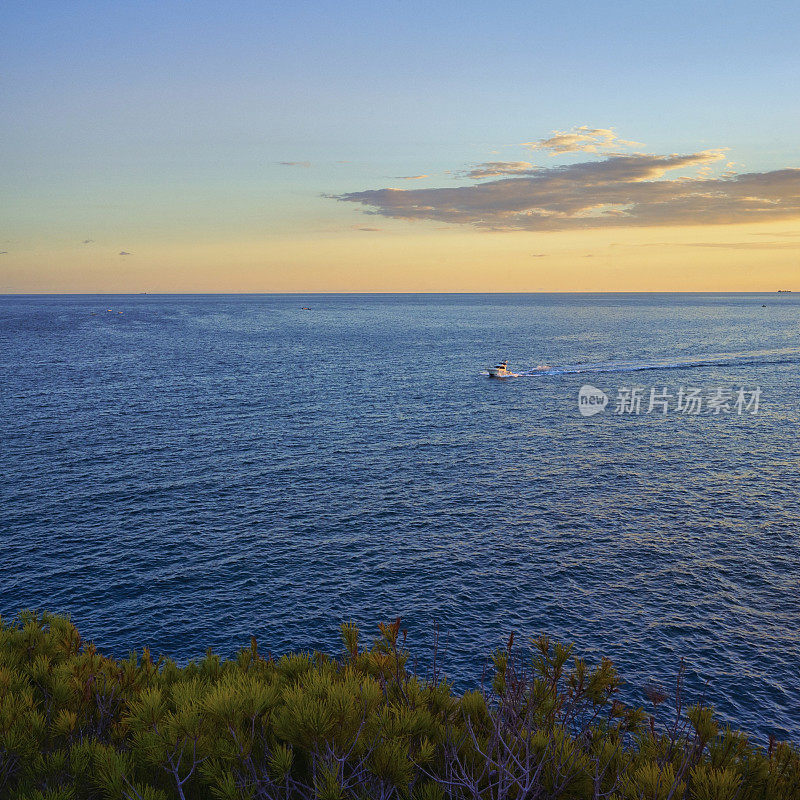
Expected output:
(197, 469)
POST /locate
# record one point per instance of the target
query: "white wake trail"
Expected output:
(784, 355)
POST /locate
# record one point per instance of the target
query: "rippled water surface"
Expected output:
(195, 470)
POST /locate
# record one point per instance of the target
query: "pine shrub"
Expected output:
(77, 725)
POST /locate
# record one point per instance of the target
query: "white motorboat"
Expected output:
(501, 370)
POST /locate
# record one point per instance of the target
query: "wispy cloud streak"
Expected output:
(582, 139)
(730, 245)
(491, 169)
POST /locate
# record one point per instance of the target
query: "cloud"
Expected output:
(411, 177)
(618, 191)
(3, 252)
(491, 169)
(538, 255)
(124, 253)
(581, 140)
(305, 164)
(746, 245)
(88, 241)
(371, 230)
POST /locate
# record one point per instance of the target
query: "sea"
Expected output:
(188, 471)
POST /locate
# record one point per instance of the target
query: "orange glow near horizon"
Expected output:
(402, 257)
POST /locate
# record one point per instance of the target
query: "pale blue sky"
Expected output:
(159, 119)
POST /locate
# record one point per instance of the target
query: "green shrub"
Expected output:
(76, 725)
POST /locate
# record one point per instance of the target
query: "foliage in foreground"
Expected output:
(77, 725)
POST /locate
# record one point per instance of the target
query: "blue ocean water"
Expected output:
(185, 471)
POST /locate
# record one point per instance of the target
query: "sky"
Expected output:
(399, 146)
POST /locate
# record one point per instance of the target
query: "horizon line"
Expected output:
(384, 293)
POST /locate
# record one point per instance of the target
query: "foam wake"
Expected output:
(785, 355)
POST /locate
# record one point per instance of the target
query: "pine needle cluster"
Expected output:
(77, 725)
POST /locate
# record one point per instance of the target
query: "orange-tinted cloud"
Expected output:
(731, 245)
(582, 139)
(618, 191)
(491, 169)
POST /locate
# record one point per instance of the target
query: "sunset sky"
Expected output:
(399, 146)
